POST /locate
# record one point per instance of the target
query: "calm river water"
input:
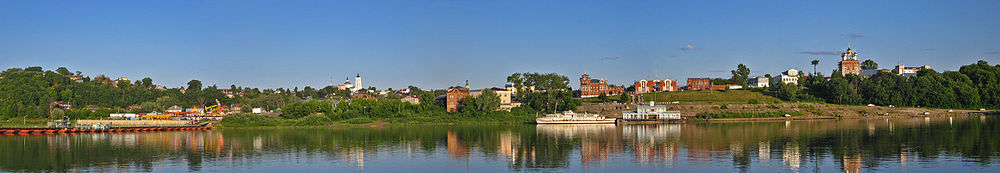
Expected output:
(959, 144)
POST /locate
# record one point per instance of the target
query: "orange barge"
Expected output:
(73, 130)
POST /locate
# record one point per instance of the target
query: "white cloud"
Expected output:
(688, 47)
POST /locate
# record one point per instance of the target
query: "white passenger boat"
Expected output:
(568, 117)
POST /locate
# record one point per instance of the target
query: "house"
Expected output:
(699, 84)
(596, 87)
(454, 97)
(504, 94)
(727, 87)
(229, 93)
(362, 95)
(63, 105)
(133, 107)
(413, 99)
(760, 82)
(789, 77)
(235, 108)
(174, 110)
(654, 85)
(92, 107)
(76, 78)
(646, 112)
(909, 71)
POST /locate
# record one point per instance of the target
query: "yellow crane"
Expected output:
(217, 108)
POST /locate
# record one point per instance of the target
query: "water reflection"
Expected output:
(947, 143)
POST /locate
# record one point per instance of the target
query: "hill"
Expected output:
(725, 96)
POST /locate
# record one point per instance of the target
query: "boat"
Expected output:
(569, 117)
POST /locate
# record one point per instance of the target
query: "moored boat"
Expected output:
(569, 117)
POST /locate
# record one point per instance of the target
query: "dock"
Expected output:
(88, 129)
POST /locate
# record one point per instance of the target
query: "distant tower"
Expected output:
(466, 84)
(357, 82)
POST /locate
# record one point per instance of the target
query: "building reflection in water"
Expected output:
(764, 152)
(597, 141)
(791, 156)
(852, 163)
(654, 144)
(507, 149)
(456, 149)
(353, 156)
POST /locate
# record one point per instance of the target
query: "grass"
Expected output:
(711, 96)
(30, 122)
(726, 114)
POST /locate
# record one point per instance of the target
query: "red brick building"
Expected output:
(655, 85)
(595, 87)
(455, 95)
(699, 84)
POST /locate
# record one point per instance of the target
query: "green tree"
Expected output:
(63, 71)
(57, 113)
(740, 75)
(625, 98)
(194, 85)
(787, 92)
(814, 63)
(602, 98)
(869, 65)
(147, 82)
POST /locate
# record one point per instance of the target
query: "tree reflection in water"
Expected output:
(844, 145)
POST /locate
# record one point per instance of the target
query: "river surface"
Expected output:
(942, 144)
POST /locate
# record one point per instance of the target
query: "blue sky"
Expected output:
(435, 44)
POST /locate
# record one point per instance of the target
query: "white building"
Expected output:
(651, 112)
(909, 71)
(357, 83)
(788, 77)
(349, 86)
(760, 82)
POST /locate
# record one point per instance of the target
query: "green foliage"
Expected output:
(869, 65)
(303, 109)
(313, 120)
(249, 120)
(753, 101)
(33, 92)
(723, 106)
(773, 107)
(973, 86)
(487, 101)
(551, 94)
(624, 98)
(740, 75)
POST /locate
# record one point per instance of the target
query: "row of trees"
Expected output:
(33, 93)
(973, 86)
(551, 93)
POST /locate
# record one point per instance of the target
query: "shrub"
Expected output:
(753, 101)
(313, 120)
(249, 120)
(358, 120)
(723, 106)
(773, 107)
